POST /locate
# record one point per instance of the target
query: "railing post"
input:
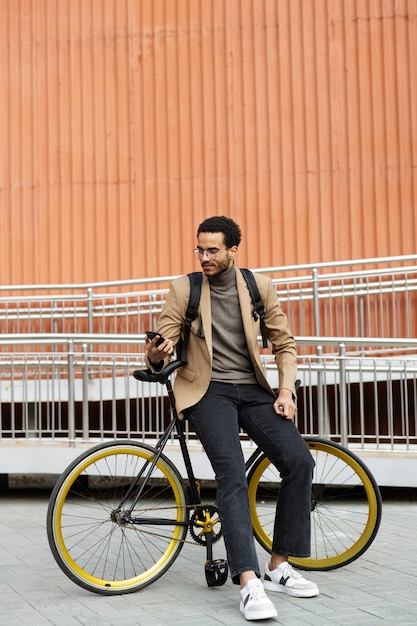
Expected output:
(361, 313)
(153, 316)
(343, 395)
(85, 393)
(316, 302)
(90, 309)
(90, 314)
(71, 395)
(320, 394)
(54, 316)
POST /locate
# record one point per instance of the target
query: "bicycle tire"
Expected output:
(346, 505)
(91, 540)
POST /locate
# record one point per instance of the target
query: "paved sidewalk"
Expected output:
(379, 588)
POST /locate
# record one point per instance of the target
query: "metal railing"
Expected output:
(72, 391)
(366, 297)
(67, 353)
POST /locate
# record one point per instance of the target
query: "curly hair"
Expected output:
(220, 224)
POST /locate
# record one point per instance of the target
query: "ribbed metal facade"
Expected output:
(125, 122)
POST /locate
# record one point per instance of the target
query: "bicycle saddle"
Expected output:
(158, 377)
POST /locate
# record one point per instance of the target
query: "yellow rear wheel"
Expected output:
(346, 505)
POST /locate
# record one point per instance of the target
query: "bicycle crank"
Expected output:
(205, 528)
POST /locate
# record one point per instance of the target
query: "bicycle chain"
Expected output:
(185, 541)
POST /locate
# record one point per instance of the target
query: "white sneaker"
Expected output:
(286, 580)
(255, 604)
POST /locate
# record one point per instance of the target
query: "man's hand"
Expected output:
(158, 354)
(284, 405)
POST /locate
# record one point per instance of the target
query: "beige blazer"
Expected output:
(192, 380)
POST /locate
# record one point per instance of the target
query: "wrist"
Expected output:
(287, 393)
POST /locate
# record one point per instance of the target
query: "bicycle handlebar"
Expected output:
(158, 377)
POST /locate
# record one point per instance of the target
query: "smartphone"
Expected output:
(152, 335)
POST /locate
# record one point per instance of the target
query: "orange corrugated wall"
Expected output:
(125, 122)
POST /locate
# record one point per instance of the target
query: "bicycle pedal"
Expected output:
(216, 572)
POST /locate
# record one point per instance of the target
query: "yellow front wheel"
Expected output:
(116, 521)
(346, 505)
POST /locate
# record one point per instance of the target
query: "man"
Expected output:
(223, 388)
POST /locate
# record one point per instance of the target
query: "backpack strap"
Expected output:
(258, 305)
(196, 279)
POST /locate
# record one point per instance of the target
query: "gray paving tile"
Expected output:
(378, 588)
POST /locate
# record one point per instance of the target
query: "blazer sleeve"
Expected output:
(279, 334)
(171, 320)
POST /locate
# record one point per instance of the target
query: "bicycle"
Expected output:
(120, 513)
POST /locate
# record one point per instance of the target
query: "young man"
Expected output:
(223, 388)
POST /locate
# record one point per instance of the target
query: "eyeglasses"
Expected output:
(210, 252)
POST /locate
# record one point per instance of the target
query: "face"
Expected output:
(222, 260)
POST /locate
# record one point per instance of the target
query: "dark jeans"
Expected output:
(216, 419)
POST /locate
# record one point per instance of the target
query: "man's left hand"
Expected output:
(284, 405)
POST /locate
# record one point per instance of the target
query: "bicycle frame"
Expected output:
(176, 423)
(120, 520)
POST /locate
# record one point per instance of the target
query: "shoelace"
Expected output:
(289, 572)
(257, 591)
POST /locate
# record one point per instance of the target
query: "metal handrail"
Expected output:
(114, 338)
(63, 367)
(167, 279)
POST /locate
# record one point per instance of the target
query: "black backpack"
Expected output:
(196, 279)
